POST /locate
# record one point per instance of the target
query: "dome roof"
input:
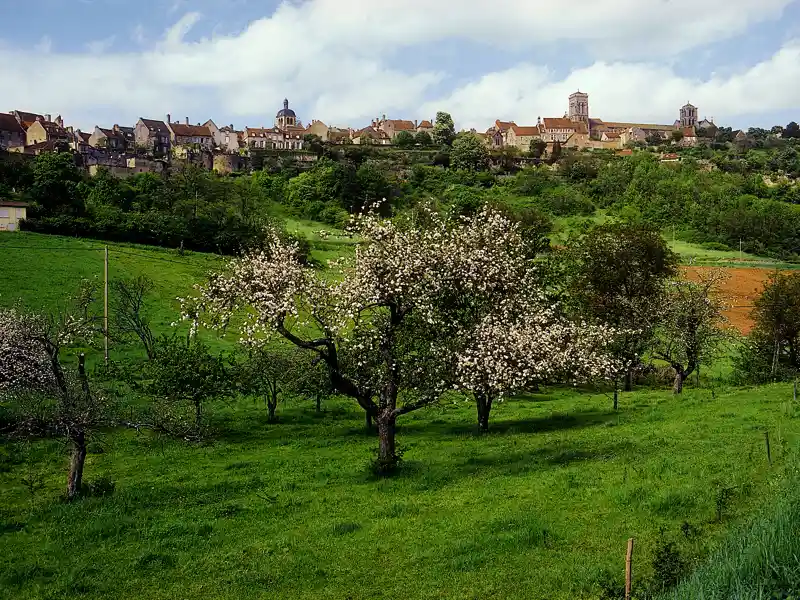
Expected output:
(286, 111)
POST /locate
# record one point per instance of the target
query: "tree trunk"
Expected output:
(368, 416)
(271, 406)
(77, 460)
(629, 379)
(616, 396)
(387, 458)
(484, 405)
(197, 414)
(677, 388)
(319, 404)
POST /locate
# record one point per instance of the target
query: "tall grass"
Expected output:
(758, 561)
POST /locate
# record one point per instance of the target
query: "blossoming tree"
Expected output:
(46, 398)
(390, 326)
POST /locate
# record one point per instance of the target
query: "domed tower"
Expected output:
(285, 117)
(579, 107)
(688, 115)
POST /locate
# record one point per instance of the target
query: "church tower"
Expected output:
(579, 107)
(285, 117)
(688, 115)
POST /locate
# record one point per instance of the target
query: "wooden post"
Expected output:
(105, 304)
(769, 455)
(81, 364)
(629, 569)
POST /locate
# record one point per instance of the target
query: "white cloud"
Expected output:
(633, 92)
(100, 46)
(332, 57)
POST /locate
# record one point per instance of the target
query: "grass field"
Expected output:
(539, 508)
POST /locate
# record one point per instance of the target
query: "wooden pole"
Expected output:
(629, 569)
(769, 455)
(105, 304)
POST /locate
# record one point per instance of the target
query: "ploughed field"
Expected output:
(539, 508)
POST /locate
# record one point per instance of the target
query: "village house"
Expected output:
(426, 126)
(153, 136)
(391, 127)
(11, 213)
(107, 138)
(12, 135)
(79, 140)
(26, 119)
(559, 129)
(263, 138)
(371, 135)
(184, 134)
(319, 129)
(338, 135)
(517, 136)
(41, 131)
(497, 133)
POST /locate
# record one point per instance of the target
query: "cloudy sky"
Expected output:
(346, 61)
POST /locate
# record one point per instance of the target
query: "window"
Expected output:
(3, 213)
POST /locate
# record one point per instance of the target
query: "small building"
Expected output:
(152, 135)
(12, 135)
(11, 213)
(320, 129)
(107, 138)
(183, 134)
(520, 137)
(394, 126)
(426, 126)
(46, 131)
(371, 135)
(26, 119)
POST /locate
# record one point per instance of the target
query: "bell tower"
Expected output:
(579, 107)
(688, 115)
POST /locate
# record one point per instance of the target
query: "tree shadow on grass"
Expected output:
(552, 422)
(428, 477)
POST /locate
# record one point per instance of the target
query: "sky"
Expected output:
(345, 62)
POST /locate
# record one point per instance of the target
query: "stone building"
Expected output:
(153, 135)
(579, 108)
(46, 131)
(184, 134)
(688, 115)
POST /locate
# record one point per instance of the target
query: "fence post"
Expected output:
(628, 569)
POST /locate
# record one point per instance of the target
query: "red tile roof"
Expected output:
(190, 130)
(504, 126)
(560, 123)
(526, 131)
(426, 124)
(399, 124)
(13, 203)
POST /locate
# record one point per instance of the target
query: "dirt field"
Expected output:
(741, 289)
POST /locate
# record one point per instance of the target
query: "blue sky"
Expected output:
(345, 61)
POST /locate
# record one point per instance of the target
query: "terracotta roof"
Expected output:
(84, 136)
(611, 135)
(669, 156)
(158, 126)
(369, 130)
(504, 125)
(689, 132)
(13, 203)
(9, 123)
(401, 125)
(625, 152)
(190, 130)
(426, 124)
(526, 131)
(559, 124)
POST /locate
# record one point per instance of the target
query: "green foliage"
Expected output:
(404, 139)
(469, 153)
(56, 183)
(444, 130)
(185, 370)
(772, 350)
(423, 138)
